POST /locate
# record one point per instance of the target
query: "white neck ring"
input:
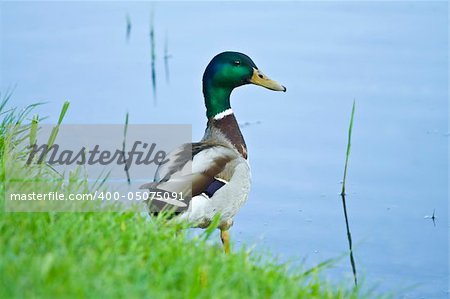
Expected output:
(222, 114)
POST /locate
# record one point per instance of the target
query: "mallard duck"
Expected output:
(214, 174)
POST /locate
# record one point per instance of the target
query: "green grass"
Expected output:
(344, 205)
(111, 255)
(347, 155)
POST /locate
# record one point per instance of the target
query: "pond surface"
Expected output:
(391, 58)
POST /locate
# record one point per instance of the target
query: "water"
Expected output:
(392, 58)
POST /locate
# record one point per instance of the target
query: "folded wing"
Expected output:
(191, 170)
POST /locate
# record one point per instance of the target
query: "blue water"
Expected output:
(391, 57)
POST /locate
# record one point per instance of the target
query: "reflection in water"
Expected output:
(153, 56)
(167, 56)
(248, 123)
(349, 237)
(432, 217)
(128, 31)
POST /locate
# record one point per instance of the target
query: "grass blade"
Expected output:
(33, 129)
(55, 130)
(348, 148)
(125, 130)
(153, 56)
(344, 206)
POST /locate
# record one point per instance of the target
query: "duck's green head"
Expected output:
(227, 71)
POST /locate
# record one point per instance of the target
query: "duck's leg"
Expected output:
(225, 237)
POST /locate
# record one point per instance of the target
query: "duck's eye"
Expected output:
(236, 62)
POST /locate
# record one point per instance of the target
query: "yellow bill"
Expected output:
(260, 79)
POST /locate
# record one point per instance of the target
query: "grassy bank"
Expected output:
(110, 255)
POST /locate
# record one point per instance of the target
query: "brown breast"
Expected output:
(230, 128)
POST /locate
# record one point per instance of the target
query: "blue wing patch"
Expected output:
(213, 187)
